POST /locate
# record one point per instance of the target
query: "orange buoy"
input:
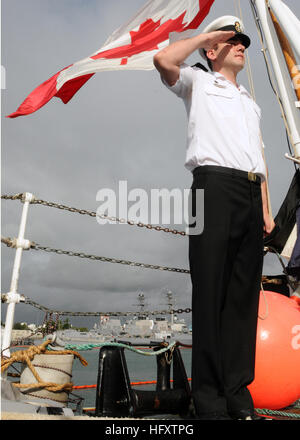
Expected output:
(277, 367)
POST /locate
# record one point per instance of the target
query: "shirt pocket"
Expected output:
(219, 100)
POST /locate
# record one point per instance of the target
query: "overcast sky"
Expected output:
(119, 126)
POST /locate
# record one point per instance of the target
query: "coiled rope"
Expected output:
(26, 356)
(272, 412)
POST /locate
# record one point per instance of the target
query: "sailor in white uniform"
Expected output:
(224, 153)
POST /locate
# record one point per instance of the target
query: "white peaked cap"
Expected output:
(227, 23)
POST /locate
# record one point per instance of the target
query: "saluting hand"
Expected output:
(216, 37)
(168, 60)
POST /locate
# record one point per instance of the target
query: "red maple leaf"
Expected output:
(146, 38)
(151, 33)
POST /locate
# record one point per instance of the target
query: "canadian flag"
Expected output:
(131, 47)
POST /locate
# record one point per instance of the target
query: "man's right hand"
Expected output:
(216, 37)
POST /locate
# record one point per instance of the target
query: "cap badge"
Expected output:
(237, 26)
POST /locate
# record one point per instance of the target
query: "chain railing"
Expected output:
(20, 244)
(95, 214)
(32, 245)
(87, 314)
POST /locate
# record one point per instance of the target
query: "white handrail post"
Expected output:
(13, 297)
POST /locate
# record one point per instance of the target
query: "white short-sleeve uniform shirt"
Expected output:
(223, 122)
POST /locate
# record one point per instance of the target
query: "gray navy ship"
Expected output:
(140, 328)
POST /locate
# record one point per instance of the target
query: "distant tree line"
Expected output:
(52, 325)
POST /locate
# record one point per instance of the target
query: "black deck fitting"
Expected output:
(116, 398)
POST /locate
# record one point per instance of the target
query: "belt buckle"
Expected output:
(251, 176)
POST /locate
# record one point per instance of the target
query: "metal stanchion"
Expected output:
(13, 297)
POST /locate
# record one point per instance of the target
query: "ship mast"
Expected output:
(171, 304)
(141, 305)
(270, 15)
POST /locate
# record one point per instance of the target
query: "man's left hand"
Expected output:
(269, 224)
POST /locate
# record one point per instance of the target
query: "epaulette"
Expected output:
(200, 66)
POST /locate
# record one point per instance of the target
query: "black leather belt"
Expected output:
(252, 177)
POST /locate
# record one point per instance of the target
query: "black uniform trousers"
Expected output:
(226, 267)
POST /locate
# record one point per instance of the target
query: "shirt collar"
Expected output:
(224, 81)
(219, 75)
